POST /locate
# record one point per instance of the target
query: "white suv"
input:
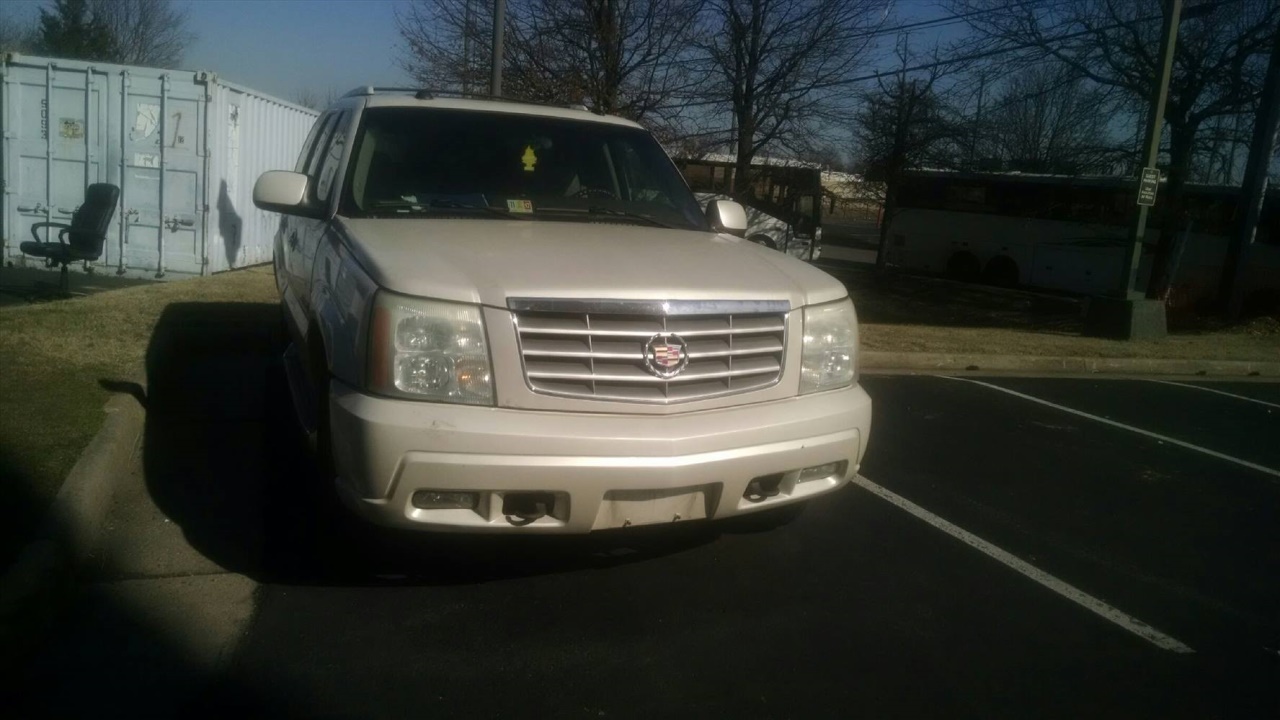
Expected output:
(515, 318)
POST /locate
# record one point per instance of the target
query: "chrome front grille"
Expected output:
(596, 349)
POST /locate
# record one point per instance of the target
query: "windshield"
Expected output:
(493, 165)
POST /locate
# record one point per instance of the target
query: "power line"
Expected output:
(956, 18)
(932, 24)
(943, 63)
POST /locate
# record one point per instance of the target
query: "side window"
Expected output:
(317, 153)
(333, 157)
(309, 147)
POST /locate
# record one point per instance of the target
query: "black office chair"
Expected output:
(83, 238)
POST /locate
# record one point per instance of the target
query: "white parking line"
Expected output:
(1074, 594)
(1215, 392)
(1130, 428)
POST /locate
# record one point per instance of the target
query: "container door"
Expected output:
(54, 140)
(163, 169)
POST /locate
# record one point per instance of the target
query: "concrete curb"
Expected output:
(30, 587)
(880, 361)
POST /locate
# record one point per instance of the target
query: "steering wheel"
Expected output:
(593, 192)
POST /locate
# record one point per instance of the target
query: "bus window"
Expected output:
(971, 198)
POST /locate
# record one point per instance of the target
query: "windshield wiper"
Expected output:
(441, 204)
(599, 210)
(438, 204)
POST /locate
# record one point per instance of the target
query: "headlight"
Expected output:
(830, 358)
(429, 350)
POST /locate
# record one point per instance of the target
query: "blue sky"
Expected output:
(280, 47)
(283, 46)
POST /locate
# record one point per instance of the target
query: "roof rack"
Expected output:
(431, 93)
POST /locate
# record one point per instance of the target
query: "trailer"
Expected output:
(783, 198)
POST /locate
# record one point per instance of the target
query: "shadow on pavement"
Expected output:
(224, 459)
(107, 656)
(20, 512)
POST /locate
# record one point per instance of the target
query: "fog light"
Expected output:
(818, 472)
(438, 500)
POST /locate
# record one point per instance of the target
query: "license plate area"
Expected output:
(629, 508)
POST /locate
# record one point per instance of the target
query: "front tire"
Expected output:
(1001, 271)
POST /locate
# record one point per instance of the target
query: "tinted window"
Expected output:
(309, 146)
(332, 157)
(322, 142)
(485, 165)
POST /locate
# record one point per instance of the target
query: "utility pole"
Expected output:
(499, 21)
(1159, 95)
(466, 48)
(1131, 316)
(1254, 189)
(977, 121)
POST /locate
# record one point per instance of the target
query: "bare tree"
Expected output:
(902, 123)
(145, 32)
(1218, 66)
(625, 57)
(1218, 150)
(779, 65)
(1046, 119)
(622, 57)
(445, 44)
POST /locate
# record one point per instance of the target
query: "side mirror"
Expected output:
(284, 192)
(727, 216)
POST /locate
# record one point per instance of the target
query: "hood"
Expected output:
(487, 261)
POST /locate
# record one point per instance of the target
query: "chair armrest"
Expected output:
(65, 229)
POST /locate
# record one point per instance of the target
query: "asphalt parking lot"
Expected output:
(1017, 547)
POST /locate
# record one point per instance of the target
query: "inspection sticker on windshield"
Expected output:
(520, 206)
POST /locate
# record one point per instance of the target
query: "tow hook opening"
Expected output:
(763, 488)
(525, 508)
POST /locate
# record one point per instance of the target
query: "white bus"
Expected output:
(1066, 233)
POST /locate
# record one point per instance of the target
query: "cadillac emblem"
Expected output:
(665, 355)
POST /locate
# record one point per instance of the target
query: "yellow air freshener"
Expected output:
(529, 158)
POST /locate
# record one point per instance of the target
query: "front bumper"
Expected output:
(603, 470)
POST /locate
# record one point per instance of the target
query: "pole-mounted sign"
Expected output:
(1147, 186)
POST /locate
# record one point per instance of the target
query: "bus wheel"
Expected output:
(764, 240)
(1001, 271)
(964, 266)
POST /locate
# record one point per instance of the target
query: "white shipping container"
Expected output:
(185, 149)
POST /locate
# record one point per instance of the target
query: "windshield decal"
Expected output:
(520, 206)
